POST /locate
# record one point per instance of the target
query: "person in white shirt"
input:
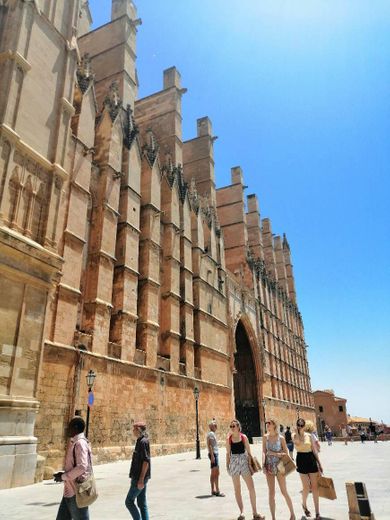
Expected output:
(212, 446)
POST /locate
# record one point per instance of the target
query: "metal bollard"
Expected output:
(359, 505)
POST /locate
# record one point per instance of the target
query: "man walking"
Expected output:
(289, 442)
(139, 474)
(212, 446)
(78, 465)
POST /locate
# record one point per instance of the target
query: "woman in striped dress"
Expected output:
(237, 464)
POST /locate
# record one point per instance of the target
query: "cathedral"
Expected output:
(119, 255)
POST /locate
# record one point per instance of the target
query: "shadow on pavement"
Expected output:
(43, 504)
(204, 496)
(322, 518)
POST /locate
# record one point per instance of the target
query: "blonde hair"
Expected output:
(309, 427)
(236, 421)
(272, 421)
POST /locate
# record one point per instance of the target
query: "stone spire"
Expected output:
(123, 8)
(289, 269)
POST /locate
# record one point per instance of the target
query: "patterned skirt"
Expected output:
(239, 464)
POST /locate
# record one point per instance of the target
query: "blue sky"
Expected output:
(299, 95)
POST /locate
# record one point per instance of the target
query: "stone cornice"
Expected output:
(68, 107)
(8, 402)
(156, 371)
(68, 288)
(17, 58)
(26, 149)
(213, 351)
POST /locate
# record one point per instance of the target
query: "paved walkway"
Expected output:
(179, 489)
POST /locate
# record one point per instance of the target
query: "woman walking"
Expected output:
(274, 449)
(237, 464)
(308, 466)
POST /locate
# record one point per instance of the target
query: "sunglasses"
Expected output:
(233, 425)
(300, 425)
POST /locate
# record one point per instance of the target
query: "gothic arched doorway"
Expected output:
(245, 385)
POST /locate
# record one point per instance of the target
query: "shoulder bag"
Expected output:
(86, 492)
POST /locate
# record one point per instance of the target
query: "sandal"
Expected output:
(218, 494)
(306, 511)
(258, 517)
(318, 516)
(241, 517)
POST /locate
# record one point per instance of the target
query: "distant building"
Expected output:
(360, 422)
(330, 410)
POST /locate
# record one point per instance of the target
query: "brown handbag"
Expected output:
(326, 488)
(289, 465)
(254, 464)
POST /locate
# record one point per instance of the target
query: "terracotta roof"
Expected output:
(359, 420)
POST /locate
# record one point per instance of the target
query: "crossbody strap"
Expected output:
(89, 456)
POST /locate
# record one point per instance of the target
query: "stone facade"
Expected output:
(118, 253)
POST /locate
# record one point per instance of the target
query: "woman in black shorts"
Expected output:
(308, 466)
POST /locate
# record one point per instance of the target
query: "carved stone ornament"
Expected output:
(84, 75)
(151, 148)
(208, 211)
(169, 170)
(113, 102)
(130, 129)
(193, 196)
(183, 186)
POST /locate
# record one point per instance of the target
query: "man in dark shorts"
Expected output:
(139, 474)
(212, 446)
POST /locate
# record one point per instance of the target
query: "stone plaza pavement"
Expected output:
(179, 489)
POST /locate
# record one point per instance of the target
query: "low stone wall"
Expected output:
(356, 438)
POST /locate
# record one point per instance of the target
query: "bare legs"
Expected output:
(310, 481)
(314, 489)
(237, 492)
(252, 493)
(214, 480)
(305, 488)
(283, 490)
(271, 494)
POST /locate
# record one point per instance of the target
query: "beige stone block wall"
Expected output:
(163, 400)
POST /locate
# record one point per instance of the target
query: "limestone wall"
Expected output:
(123, 394)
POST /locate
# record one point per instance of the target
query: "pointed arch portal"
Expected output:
(246, 394)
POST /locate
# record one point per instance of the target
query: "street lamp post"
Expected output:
(320, 426)
(196, 395)
(90, 377)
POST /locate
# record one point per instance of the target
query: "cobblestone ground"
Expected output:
(179, 489)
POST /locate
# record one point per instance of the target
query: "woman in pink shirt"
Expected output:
(78, 465)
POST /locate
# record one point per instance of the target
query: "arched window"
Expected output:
(13, 195)
(38, 217)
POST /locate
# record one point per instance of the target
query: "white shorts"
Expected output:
(239, 464)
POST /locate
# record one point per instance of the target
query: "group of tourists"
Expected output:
(276, 453)
(277, 450)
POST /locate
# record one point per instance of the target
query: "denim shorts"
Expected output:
(216, 461)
